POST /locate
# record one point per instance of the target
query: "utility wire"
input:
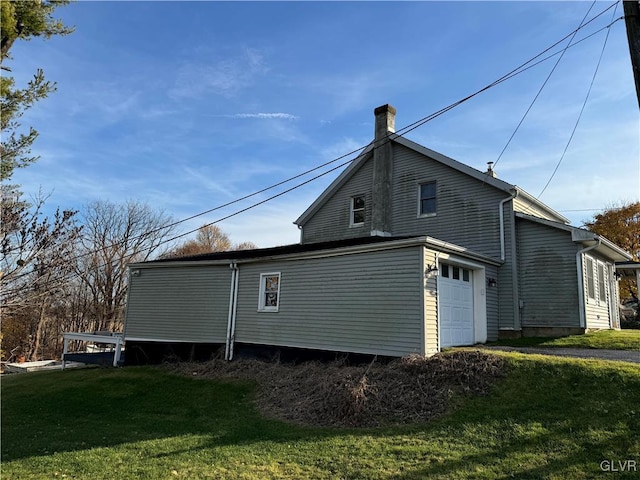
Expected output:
(401, 132)
(544, 84)
(584, 104)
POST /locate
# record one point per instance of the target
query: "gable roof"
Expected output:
(367, 154)
(585, 237)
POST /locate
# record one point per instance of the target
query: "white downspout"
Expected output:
(514, 195)
(230, 319)
(233, 315)
(581, 304)
(437, 263)
(613, 298)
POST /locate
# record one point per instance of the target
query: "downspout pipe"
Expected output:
(514, 195)
(581, 302)
(234, 315)
(228, 351)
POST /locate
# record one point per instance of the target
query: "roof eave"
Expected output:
(455, 164)
(546, 208)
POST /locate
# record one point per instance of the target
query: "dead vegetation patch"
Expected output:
(406, 390)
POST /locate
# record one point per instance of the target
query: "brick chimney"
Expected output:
(385, 124)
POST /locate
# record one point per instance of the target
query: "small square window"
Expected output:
(456, 273)
(444, 270)
(356, 213)
(465, 275)
(269, 292)
(427, 204)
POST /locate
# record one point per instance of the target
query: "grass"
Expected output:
(602, 339)
(548, 418)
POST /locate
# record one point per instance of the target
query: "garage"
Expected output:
(455, 301)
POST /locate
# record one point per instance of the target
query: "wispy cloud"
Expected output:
(223, 77)
(285, 116)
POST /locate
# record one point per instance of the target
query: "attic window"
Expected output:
(356, 213)
(427, 205)
(269, 292)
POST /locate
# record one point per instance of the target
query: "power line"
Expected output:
(584, 104)
(542, 86)
(401, 132)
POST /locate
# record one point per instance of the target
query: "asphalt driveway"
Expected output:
(617, 355)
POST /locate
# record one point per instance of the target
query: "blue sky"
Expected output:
(189, 105)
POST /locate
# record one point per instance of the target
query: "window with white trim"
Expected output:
(269, 292)
(591, 286)
(427, 199)
(356, 211)
(602, 291)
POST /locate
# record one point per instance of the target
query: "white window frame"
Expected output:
(353, 210)
(590, 278)
(601, 282)
(428, 214)
(262, 307)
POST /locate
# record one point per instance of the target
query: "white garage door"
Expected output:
(455, 297)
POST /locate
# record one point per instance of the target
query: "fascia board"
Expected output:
(462, 251)
(551, 223)
(615, 249)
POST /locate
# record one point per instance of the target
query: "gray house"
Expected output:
(407, 251)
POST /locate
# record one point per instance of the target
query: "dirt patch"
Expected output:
(407, 390)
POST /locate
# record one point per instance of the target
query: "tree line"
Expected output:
(68, 271)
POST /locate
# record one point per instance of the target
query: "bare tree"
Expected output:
(35, 266)
(245, 246)
(115, 235)
(209, 239)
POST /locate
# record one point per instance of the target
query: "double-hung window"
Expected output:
(356, 211)
(427, 196)
(269, 292)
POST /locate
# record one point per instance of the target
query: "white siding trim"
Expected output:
(263, 285)
(162, 340)
(423, 280)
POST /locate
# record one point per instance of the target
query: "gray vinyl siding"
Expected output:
(362, 302)
(525, 206)
(507, 313)
(331, 222)
(466, 209)
(430, 314)
(492, 304)
(597, 309)
(188, 304)
(548, 276)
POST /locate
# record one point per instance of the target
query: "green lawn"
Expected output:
(603, 339)
(548, 418)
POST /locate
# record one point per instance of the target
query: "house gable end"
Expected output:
(346, 174)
